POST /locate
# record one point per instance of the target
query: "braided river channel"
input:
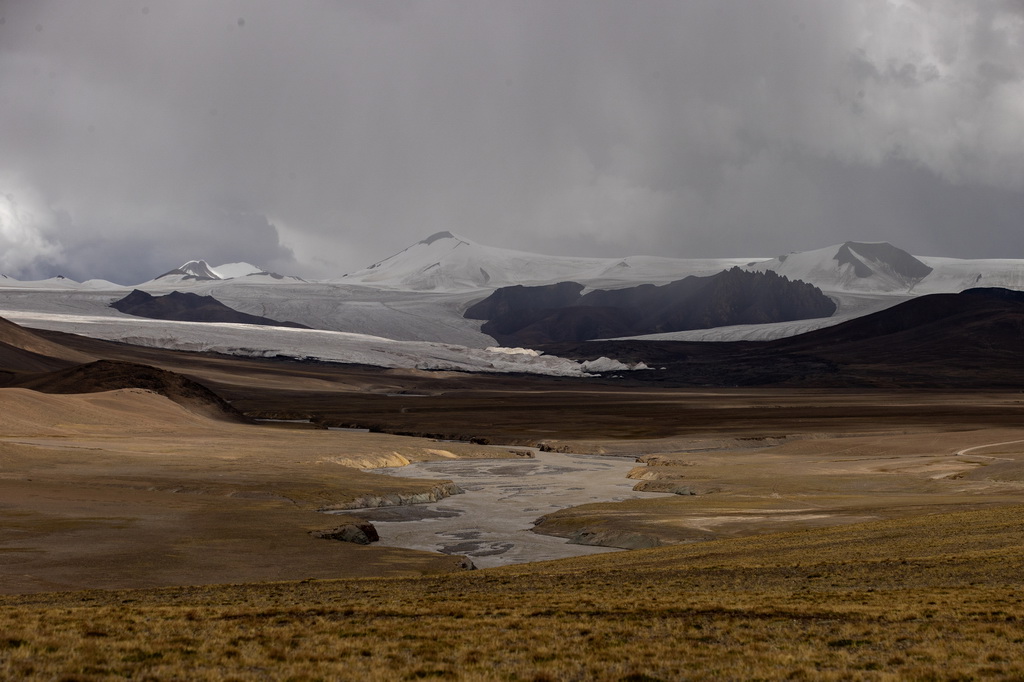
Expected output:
(491, 522)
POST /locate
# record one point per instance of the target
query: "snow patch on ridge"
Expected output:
(193, 269)
(232, 270)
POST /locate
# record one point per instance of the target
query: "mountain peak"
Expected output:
(195, 269)
(437, 236)
(852, 266)
(882, 255)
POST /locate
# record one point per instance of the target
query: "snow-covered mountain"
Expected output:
(422, 293)
(200, 271)
(193, 269)
(58, 283)
(852, 266)
(952, 275)
(448, 262)
(881, 268)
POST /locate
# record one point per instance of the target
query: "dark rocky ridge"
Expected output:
(970, 339)
(189, 307)
(545, 314)
(510, 309)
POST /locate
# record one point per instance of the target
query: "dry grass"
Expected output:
(929, 598)
(112, 492)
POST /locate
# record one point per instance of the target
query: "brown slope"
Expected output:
(16, 338)
(110, 375)
(15, 360)
(27, 360)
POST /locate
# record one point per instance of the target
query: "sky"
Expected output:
(314, 138)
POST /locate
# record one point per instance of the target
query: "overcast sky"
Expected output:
(315, 138)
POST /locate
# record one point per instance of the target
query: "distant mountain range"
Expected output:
(423, 292)
(966, 340)
(447, 262)
(200, 270)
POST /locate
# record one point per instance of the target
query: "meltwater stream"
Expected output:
(491, 522)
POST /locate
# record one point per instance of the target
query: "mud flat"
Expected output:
(492, 521)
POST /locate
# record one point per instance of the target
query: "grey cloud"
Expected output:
(347, 130)
(132, 253)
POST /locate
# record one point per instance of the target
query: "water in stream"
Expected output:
(491, 522)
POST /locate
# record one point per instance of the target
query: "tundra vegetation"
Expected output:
(930, 597)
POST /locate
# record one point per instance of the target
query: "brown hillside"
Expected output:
(111, 375)
(21, 350)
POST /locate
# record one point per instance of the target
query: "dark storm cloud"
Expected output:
(319, 137)
(219, 237)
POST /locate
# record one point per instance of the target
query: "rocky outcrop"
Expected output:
(359, 533)
(528, 316)
(891, 260)
(664, 461)
(664, 474)
(621, 539)
(369, 501)
(548, 447)
(669, 486)
(511, 308)
(189, 307)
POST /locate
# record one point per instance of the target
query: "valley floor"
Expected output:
(829, 535)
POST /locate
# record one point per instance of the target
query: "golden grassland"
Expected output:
(934, 597)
